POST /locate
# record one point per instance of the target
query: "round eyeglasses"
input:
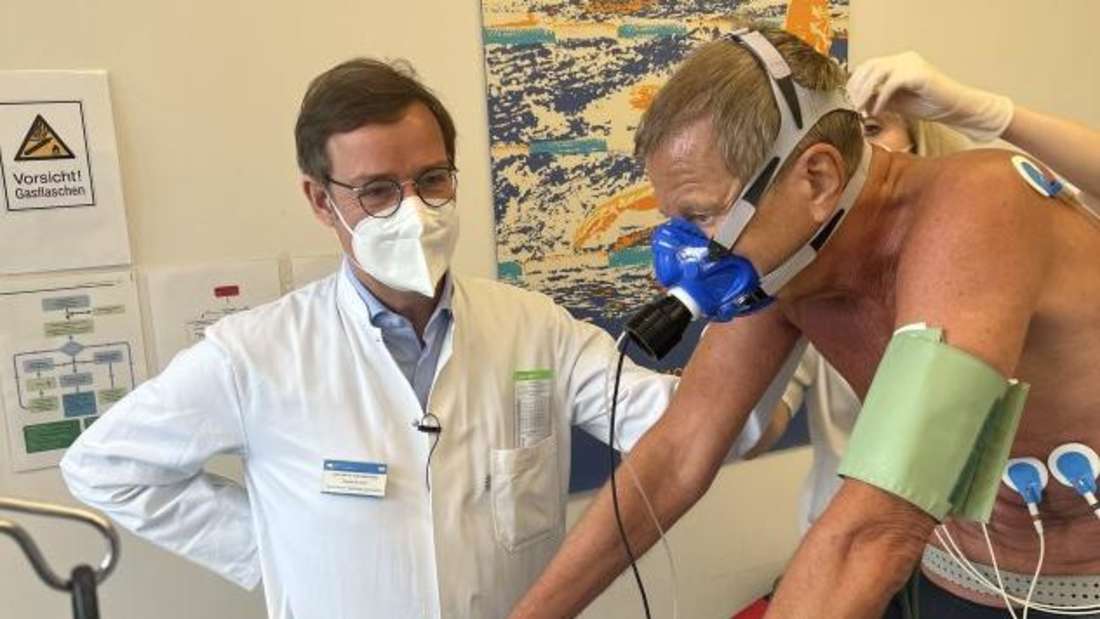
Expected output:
(381, 198)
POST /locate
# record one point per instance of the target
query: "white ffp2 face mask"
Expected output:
(411, 249)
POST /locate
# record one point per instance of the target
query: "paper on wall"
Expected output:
(61, 201)
(308, 269)
(72, 347)
(184, 301)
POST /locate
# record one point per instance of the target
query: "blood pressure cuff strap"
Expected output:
(936, 427)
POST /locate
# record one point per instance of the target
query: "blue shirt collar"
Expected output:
(382, 316)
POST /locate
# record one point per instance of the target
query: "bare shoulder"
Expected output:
(974, 213)
(975, 254)
(979, 188)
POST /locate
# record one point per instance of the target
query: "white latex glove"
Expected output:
(907, 84)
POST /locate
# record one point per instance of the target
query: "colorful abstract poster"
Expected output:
(567, 82)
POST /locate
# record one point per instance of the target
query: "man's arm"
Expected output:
(588, 357)
(644, 394)
(142, 464)
(675, 461)
(979, 279)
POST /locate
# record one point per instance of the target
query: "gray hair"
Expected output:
(723, 82)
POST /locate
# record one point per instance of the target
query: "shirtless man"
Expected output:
(961, 243)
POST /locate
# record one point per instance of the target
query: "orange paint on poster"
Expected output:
(527, 22)
(642, 96)
(619, 7)
(809, 21)
(637, 199)
(637, 238)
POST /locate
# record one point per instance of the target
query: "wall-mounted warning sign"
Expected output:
(60, 189)
(42, 169)
(42, 142)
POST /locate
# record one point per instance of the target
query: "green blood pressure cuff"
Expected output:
(936, 427)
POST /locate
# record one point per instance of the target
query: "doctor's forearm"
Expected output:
(593, 555)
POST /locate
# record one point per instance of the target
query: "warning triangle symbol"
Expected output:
(42, 143)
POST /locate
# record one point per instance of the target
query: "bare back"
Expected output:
(852, 326)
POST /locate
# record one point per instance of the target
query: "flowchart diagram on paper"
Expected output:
(73, 347)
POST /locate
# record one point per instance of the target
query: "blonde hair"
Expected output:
(934, 139)
(723, 82)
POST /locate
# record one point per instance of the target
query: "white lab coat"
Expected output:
(832, 407)
(306, 379)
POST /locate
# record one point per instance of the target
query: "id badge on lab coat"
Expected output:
(533, 389)
(354, 478)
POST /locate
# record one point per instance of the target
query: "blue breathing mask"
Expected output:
(719, 287)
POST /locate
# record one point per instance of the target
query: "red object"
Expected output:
(221, 292)
(755, 611)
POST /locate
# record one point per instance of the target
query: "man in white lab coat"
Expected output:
(405, 432)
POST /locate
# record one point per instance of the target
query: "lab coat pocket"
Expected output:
(526, 493)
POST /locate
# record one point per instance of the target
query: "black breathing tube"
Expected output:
(614, 487)
(659, 325)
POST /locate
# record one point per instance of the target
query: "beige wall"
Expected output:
(205, 95)
(1042, 54)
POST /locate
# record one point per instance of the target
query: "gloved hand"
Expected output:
(907, 84)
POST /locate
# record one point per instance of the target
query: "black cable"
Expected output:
(428, 466)
(429, 424)
(614, 488)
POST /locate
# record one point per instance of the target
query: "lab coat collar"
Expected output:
(352, 306)
(376, 310)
